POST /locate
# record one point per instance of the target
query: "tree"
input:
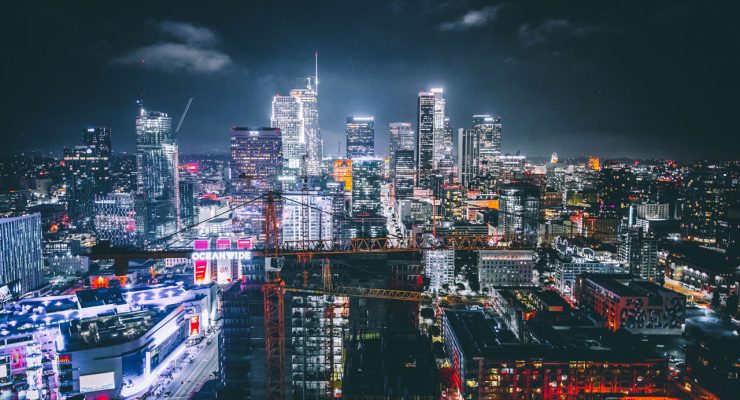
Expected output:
(715, 299)
(731, 305)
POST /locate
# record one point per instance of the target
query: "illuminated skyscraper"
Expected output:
(21, 260)
(287, 115)
(360, 137)
(446, 165)
(638, 251)
(314, 146)
(99, 138)
(489, 142)
(156, 173)
(519, 210)
(86, 174)
(467, 159)
(402, 138)
(316, 219)
(405, 174)
(256, 165)
(429, 134)
(367, 176)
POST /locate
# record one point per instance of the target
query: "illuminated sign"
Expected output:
(97, 382)
(194, 325)
(244, 244)
(201, 266)
(221, 255)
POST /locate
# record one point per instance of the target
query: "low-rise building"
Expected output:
(502, 268)
(623, 300)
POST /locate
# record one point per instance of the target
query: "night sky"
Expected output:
(622, 78)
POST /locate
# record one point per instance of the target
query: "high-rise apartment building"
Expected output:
(156, 173)
(21, 258)
(256, 165)
(360, 137)
(367, 176)
(439, 267)
(638, 251)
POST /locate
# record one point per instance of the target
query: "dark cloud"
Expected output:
(560, 28)
(195, 54)
(189, 33)
(177, 57)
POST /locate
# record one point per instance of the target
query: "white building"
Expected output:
(439, 267)
(497, 268)
(316, 219)
(287, 115)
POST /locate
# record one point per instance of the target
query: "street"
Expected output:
(193, 375)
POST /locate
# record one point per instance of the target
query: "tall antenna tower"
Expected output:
(316, 72)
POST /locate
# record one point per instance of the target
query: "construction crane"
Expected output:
(184, 113)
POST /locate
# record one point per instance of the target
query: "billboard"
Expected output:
(244, 244)
(201, 267)
(194, 325)
(97, 382)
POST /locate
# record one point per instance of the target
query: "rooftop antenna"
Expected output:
(316, 72)
(184, 113)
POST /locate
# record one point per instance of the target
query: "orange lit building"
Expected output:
(342, 172)
(490, 364)
(594, 163)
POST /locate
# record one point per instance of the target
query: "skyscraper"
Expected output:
(86, 174)
(519, 211)
(638, 251)
(429, 134)
(360, 137)
(156, 173)
(99, 138)
(446, 164)
(489, 144)
(405, 174)
(21, 260)
(367, 176)
(316, 220)
(467, 159)
(287, 115)
(312, 133)
(402, 138)
(256, 165)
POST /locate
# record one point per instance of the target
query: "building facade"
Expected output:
(21, 260)
(256, 165)
(360, 137)
(439, 268)
(501, 268)
(156, 173)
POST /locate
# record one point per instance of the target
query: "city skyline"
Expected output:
(569, 80)
(397, 199)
